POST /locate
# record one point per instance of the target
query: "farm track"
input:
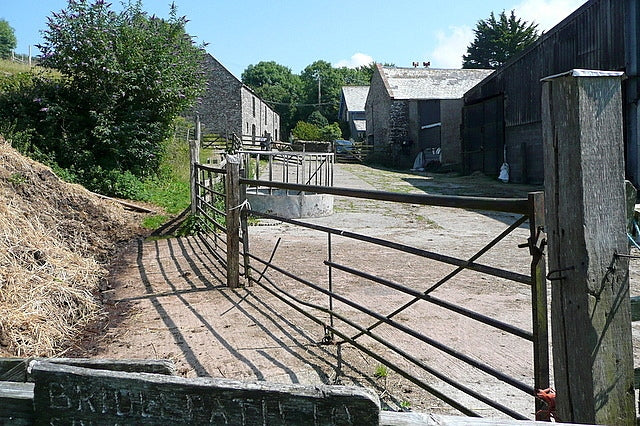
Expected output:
(169, 300)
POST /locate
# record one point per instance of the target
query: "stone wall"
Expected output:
(377, 113)
(257, 113)
(228, 106)
(220, 108)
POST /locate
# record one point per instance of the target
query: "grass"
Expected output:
(155, 221)
(171, 191)
(11, 67)
(381, 371)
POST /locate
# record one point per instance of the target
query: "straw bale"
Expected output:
(54, 240)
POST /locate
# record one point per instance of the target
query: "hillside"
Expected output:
(55, 239)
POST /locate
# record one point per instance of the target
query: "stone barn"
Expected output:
(417, 110)
(229, 106)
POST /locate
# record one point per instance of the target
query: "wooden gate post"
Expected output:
(232, 209)
(586, 229)
(194, 154)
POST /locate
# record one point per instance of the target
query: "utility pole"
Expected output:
(319, 80)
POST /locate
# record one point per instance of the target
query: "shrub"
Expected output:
(306, 131)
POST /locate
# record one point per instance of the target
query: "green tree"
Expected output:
(8, 40)
(331, 81)
(497, 40)
(316, 118)
(295, 97)
(277, 85)
(127, 76)
(360, 76)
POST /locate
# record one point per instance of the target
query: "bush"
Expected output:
(123, 79)
(310, 132)
(331, 132)
(114, 183)
(306, 131)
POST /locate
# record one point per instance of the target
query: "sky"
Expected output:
(296, 33)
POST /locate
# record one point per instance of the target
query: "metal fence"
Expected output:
(306, 168)
(344, 320)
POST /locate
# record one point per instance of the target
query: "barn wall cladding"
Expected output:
(601, 34)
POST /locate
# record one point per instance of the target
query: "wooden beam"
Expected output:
(15, 369)
(125, 204)
(586, 229)
(16, 403)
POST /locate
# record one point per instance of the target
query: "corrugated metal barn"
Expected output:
(502, 114)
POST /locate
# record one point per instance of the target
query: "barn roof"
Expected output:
(355, 97)
(430, 83)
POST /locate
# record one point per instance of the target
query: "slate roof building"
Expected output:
(503, 114)
(352, 102)
(228, 106)
(414, 110)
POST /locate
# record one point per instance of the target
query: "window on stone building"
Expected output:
(253, 104)
(265, 114)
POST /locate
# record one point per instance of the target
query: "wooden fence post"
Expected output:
(586, 229)
(194, 151)
(232, 209)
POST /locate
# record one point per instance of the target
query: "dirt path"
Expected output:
(169, 300)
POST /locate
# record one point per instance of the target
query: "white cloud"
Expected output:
(357, 60)
(451, 46)
(546, 13)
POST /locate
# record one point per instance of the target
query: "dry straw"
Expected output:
(54, 240)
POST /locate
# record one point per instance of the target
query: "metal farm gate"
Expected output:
(220, 202)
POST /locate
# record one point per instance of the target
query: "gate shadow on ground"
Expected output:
(176, 268)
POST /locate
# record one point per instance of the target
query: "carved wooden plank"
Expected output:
(586, 227)
(16, 403)
(15, 369)
(65, 394)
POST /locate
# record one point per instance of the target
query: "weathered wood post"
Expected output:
(194, 151)
(586, 229)
(232, 210)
